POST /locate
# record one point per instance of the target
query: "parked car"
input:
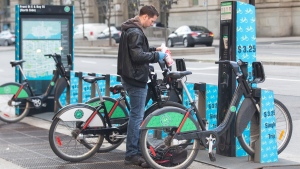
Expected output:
(190, 35)
(91, 30)
(7, 38)
(115, 34)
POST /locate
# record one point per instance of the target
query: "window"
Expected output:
(6, 8)
(195, 2)
(48, 2)
(199, 28)
(26, 2)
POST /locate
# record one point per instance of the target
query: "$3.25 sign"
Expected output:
(246, 49)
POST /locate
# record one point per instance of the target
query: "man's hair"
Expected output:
(148, 10)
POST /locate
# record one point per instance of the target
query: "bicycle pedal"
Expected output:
(120, 136)
(212, 156)
(44, 104)
(15, 103)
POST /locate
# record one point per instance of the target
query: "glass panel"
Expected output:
(195, 2)
(25, 2)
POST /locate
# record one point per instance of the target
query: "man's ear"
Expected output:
(145, 17)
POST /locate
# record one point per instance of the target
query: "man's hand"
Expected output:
(161, 55)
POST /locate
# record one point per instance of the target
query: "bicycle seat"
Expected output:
(179, 74)
(16, 62)
(116, 89)
(92, 79)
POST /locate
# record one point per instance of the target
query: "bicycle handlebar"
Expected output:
(235, 66)
(59, 65)
(55, 56)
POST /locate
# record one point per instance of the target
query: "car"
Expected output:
(191, 35)
(91, 30)
(7, 38)
(115, 34)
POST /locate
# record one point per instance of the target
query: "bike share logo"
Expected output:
(165, 120)
(7, 89)
(78, 114)
(67, 9)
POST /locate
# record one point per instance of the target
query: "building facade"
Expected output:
(274, 18)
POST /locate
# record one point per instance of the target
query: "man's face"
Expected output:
(148, 21)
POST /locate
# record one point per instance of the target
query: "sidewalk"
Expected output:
(25, 145)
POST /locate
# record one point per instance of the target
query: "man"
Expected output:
(134, 57)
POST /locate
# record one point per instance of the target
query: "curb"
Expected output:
(193, 60)
(114, 51)
(114, 56)
(6, 49)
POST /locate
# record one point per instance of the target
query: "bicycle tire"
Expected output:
(61, 135)
(280, 111)
(106, 146)
(149, 145)
(281, 130)
(13, 113)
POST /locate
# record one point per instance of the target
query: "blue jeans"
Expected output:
(137, 99)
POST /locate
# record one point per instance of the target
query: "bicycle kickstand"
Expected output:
(210, 142)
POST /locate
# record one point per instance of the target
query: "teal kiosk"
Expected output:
(42, 29)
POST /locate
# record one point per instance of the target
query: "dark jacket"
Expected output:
(135, 54)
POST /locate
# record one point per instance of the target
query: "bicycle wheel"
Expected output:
(68, 143)
(119, 117)
(167, 152)
(284, 125)
(284, 128)
(11, 111)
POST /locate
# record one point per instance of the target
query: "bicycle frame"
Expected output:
(26, 85)
(154, 93)
(153, 88)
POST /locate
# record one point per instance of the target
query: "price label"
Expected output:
(269, 113)
(246, 49)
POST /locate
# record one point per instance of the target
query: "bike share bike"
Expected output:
(78, 131)
(185, 134)
(16, 99)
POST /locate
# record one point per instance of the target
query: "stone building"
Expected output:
(275, 18)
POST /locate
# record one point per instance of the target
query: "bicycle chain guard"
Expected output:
(37, 102)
